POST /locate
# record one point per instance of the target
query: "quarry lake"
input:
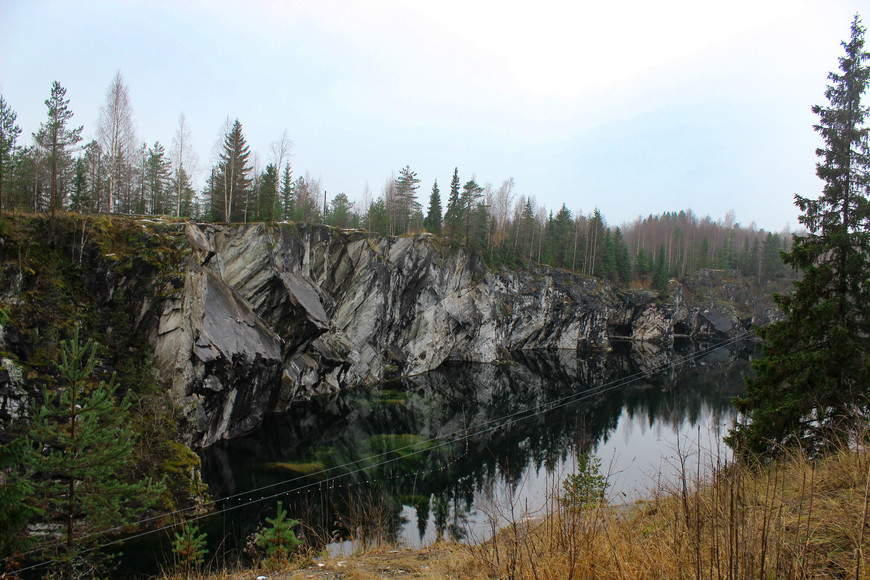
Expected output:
(461, 451)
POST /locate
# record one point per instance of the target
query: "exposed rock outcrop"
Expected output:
(268, 315)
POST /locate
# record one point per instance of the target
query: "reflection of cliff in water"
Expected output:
(453, 434)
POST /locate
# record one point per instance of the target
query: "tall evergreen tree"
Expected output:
(55, 140)
(288, 197)
(433, 216)
(267, 197)
(621, 258)
(453, 219)
(814, 378)
(233, 182)
(79, 199)
(641, 263)
(9, 132)
(660, 271)
(157, 180)
(472, 193)
(561, 242)
(406, 198)
(341, 210)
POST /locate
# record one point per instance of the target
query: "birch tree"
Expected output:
(184, 162)
(116, 134)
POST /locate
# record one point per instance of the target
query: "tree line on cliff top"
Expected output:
(114, 173)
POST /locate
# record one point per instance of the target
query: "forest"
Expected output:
(115, 173)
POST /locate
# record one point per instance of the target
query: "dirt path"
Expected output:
(441, 561)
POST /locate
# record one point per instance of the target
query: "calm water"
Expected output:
(458, 451)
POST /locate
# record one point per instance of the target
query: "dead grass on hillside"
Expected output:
(795, 519)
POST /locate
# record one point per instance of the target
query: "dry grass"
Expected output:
(442, 561)
(794, 519)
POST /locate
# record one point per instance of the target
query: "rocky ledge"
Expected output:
(272, 314)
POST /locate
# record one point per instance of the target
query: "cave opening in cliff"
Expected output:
(620, 331)
(681, 329)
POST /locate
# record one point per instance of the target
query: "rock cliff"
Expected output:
(269, 315)
(247, 319)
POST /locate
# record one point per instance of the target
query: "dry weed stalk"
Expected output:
(796, 518)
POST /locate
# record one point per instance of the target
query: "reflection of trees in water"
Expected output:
(442, 481)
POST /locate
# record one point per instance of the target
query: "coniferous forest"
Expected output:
(56, 169)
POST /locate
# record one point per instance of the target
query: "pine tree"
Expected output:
(813, 382)
(472, 193)
(9, 133)
(341, 212)
(55, 139)
(406, 198)
(78, 454)
(157, 180)
(433, 217)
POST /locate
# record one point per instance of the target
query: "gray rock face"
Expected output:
(13, 395)
(268, 315)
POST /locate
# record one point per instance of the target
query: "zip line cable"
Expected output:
(412, 449)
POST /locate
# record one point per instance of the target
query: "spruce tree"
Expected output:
(79, 455)
(181, 186)
(813, 382)
(641, 263)
(288, 197)
(454, 217)
(660, 271)
(267, 196)
(79, 196)
(621, 258)
(433, 217)
(233, 184)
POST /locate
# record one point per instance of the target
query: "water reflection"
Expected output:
(452, 452)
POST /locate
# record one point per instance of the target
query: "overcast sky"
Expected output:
(634, 107)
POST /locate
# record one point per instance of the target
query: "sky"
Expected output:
(632, 107)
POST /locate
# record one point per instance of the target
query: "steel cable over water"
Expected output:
(408, 451)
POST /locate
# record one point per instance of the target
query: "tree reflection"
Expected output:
(440, 442)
